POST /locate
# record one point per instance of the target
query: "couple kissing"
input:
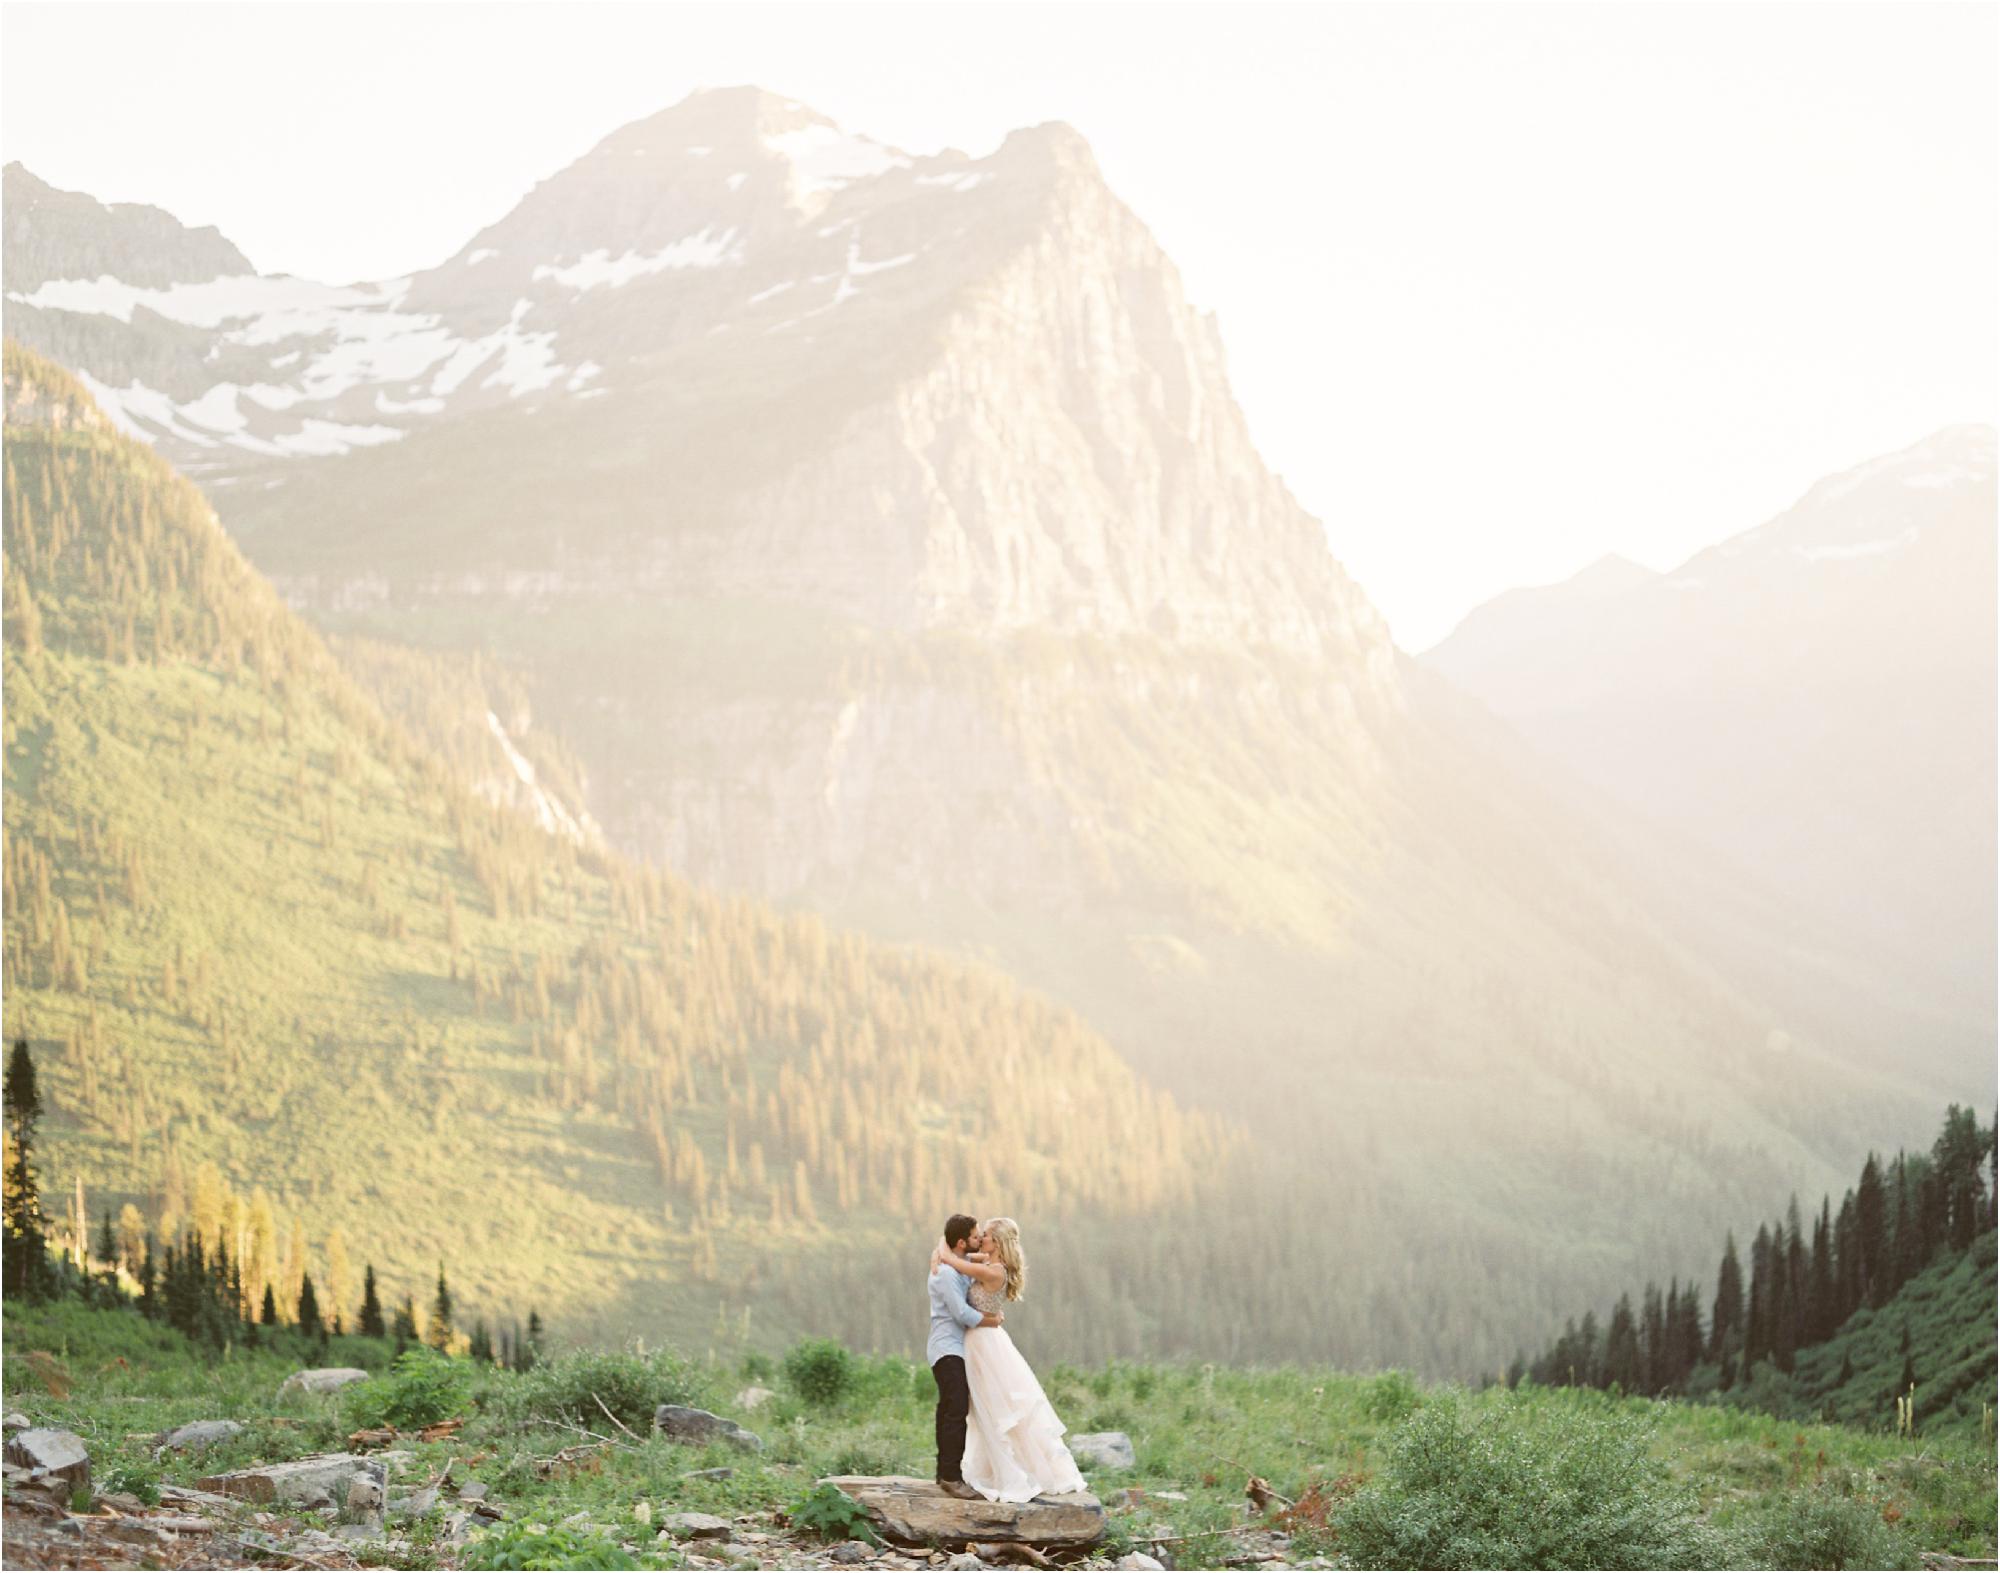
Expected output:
(998, 1437)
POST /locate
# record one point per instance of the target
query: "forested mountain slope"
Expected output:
(280, 966)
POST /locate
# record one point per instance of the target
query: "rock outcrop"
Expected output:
(1102, 1449)
(48, 1453)
(324, 1481)
(331, 1379)
(680, 1423)
(914, 1512)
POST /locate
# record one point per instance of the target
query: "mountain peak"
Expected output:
(55, 234)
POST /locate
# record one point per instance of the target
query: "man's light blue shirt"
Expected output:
(951, 1315)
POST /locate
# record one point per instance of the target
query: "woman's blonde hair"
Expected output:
(1003, 1240)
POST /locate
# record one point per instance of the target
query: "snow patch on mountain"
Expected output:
(824, 158)
(1847, 551)
(704, 249)
(548, 810)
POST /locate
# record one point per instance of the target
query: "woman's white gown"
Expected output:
(1014, 1448)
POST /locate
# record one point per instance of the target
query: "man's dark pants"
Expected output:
(954, 1403)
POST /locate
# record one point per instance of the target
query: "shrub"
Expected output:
(1821, 1528)
(1503, 1489)
(632, 1384)
(422, 1388)
(134, 1479)
(830, 1513)
(1392, 1396)
(530, 1546)
(820, 1371)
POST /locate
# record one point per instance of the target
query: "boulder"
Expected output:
(696, 1526)
(1102, 1450)
(915, 1512)
(330, 1380)
(49, 1454)
(1139, 1562)
(850, 1552)
(754, 1398)
(366, 1500)
(16, 1421)
(322, 1481)
(197, 1434)
(678, 1423)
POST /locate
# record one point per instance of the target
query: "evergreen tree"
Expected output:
(149, 1289)
(26, 1264)
(482, 1342)
(1871, 1234)
(309, 1322)
(1621, 1349)
(531, 1346)
(1820, 1323)
(270, 1316)
(441, 1328)
(404, 1329)
(371, 1306)
(107, 1243)
(1757, 1319)
(1725, 1326)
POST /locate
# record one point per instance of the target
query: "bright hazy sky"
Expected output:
(1503, 287)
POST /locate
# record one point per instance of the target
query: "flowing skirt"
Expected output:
(1014, 1448)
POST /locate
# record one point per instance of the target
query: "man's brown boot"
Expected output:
(959, 1489)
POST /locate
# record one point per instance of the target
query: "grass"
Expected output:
(1379, 1466)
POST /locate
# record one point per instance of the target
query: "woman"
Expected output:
(1014, 1448)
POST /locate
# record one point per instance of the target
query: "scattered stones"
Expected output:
(330, 1379)
(850, 1552)
(1103, 1449)
(365, 1501)
(415, 1505)
(754, 1398)
(472, 1491)
(48, 1453)
(679, 1423)
(696, 1526)
(709, 1474)
(197, 1434)
(1138, 1562)
(915, 1512)
(967, 1561)
(321, 1481)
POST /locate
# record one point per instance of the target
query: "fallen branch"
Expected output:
(608, 1415)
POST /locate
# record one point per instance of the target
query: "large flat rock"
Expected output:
(320, 1482)
(914, 1512)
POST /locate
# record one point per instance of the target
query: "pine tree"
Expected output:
(309, 1322)
(1757, 1319)
(1621, 1349)
(404, 1329)
(1871, 1226)
(482, 1342)
(1725, 1327)
(441, 1328)
(26, 1264)
(531, 1345)
(371, 1306)
(270, 1314)
(149, 1289)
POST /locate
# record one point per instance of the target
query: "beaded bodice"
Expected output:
(985, 1300)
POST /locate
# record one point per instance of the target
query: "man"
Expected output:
(951, 1315)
